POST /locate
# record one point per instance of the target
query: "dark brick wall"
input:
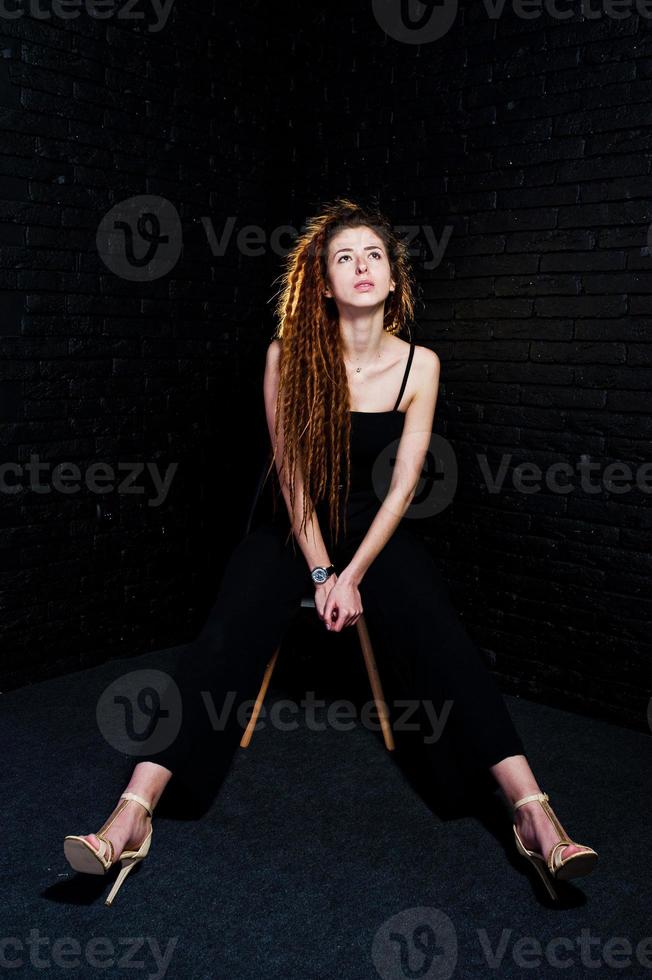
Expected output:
(531, 141)
(527, 141)
(97, 368)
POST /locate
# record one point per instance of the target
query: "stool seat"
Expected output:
(308, 602)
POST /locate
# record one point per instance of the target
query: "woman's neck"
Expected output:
(363, 338)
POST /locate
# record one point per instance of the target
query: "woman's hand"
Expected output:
(338, 603)
(322, 592)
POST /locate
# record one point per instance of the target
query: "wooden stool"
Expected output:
(372, 671)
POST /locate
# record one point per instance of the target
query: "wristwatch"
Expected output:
(319, 574)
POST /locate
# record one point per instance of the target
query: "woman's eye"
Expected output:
(377, 255)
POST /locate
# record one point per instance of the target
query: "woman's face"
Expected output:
(357, 269)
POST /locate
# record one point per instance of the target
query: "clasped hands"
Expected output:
(338, 602)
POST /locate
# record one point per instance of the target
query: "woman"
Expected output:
(331, 375)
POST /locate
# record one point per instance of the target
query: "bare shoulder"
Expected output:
(273, 361)
(423, 383)
(426, 360)
(425, 367)
(274, 350)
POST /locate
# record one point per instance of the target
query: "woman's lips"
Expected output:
(364, 286)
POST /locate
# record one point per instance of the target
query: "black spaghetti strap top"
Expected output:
(405, 377)
(372, 444)
(372, 434)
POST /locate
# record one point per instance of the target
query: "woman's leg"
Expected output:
(517, 780)
(148, 780)
(261, 589)
(465, 720)
(469, 731)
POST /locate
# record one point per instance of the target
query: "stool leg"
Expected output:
(246, 738)
(374, 680)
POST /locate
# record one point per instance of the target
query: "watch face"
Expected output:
(319, 575)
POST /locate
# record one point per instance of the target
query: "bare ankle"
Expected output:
(149, 780)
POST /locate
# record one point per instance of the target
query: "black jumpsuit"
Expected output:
(422, 648)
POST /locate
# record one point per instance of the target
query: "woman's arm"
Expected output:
(310, 540)
(406, 474)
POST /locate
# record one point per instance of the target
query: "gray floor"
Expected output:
(318, 859)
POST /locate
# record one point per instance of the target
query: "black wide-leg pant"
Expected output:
(422, 649)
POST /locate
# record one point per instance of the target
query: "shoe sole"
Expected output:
(81, 856)
(577, 866)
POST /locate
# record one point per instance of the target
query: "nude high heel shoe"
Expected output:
(555, 867)
(82, 856)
